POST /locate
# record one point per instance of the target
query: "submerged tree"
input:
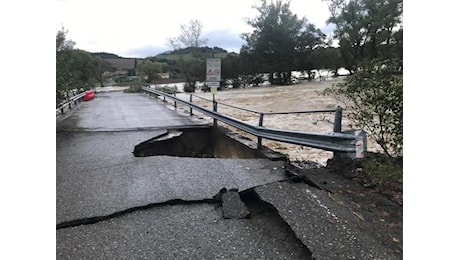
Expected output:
(367, 29)
(280, 41)
(327, 58)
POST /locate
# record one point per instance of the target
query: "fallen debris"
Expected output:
(232, 206)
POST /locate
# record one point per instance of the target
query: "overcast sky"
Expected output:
(140, 28)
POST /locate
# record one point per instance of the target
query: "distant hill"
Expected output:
(123, 63)
(186, 53)
(105, 55)
(117, 63)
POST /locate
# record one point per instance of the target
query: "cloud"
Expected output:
(141, 27)
(328, 29)
(225, 39)
(143, 52)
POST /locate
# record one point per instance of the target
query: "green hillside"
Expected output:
(187, 53)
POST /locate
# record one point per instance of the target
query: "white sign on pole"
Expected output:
(213, 70)
(213, 86)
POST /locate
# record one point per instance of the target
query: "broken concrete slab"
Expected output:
(89, 190)
(233, 206)
(178, 143)
(323, 226)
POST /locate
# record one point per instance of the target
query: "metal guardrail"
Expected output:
(69, 102)
(350, 144)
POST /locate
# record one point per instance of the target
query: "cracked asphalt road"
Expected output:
(97, 177)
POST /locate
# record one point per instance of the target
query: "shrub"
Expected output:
(188, 88)
(375, 97)
(167, 89)
(135, 86)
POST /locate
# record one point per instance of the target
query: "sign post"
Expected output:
(213, 76)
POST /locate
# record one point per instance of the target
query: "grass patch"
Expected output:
(383, 170)
(375, 170)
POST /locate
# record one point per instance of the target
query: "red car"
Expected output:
(89, 95)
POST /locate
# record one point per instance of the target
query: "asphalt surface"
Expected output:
(112, 205)
(118, 111)
(97, 177)
(322, 225)
(171, 232)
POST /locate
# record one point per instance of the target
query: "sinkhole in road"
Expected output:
(198, 142)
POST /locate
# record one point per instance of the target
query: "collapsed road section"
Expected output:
(160, 192)
(272, 210)
(113, 205)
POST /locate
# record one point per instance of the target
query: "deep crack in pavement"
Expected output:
(259, 234)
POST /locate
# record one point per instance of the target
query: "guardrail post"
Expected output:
(261, 123)
(214, 106)
(175, 103)
(191, 113)
(338, 125)
(338, 120)
(164, 99)
(68, 100)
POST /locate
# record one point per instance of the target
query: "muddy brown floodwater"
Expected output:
(304, 96)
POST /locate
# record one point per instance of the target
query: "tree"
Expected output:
(75, 69)
(327, 58)
(231, 69)
(280, 41)
(101, 67)
(367, 29)
(190, 36)
(150, 69)
(194, 69)
(83, 69)
(375, 97)
(370, 35)
(309, 40)
(63, 74)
